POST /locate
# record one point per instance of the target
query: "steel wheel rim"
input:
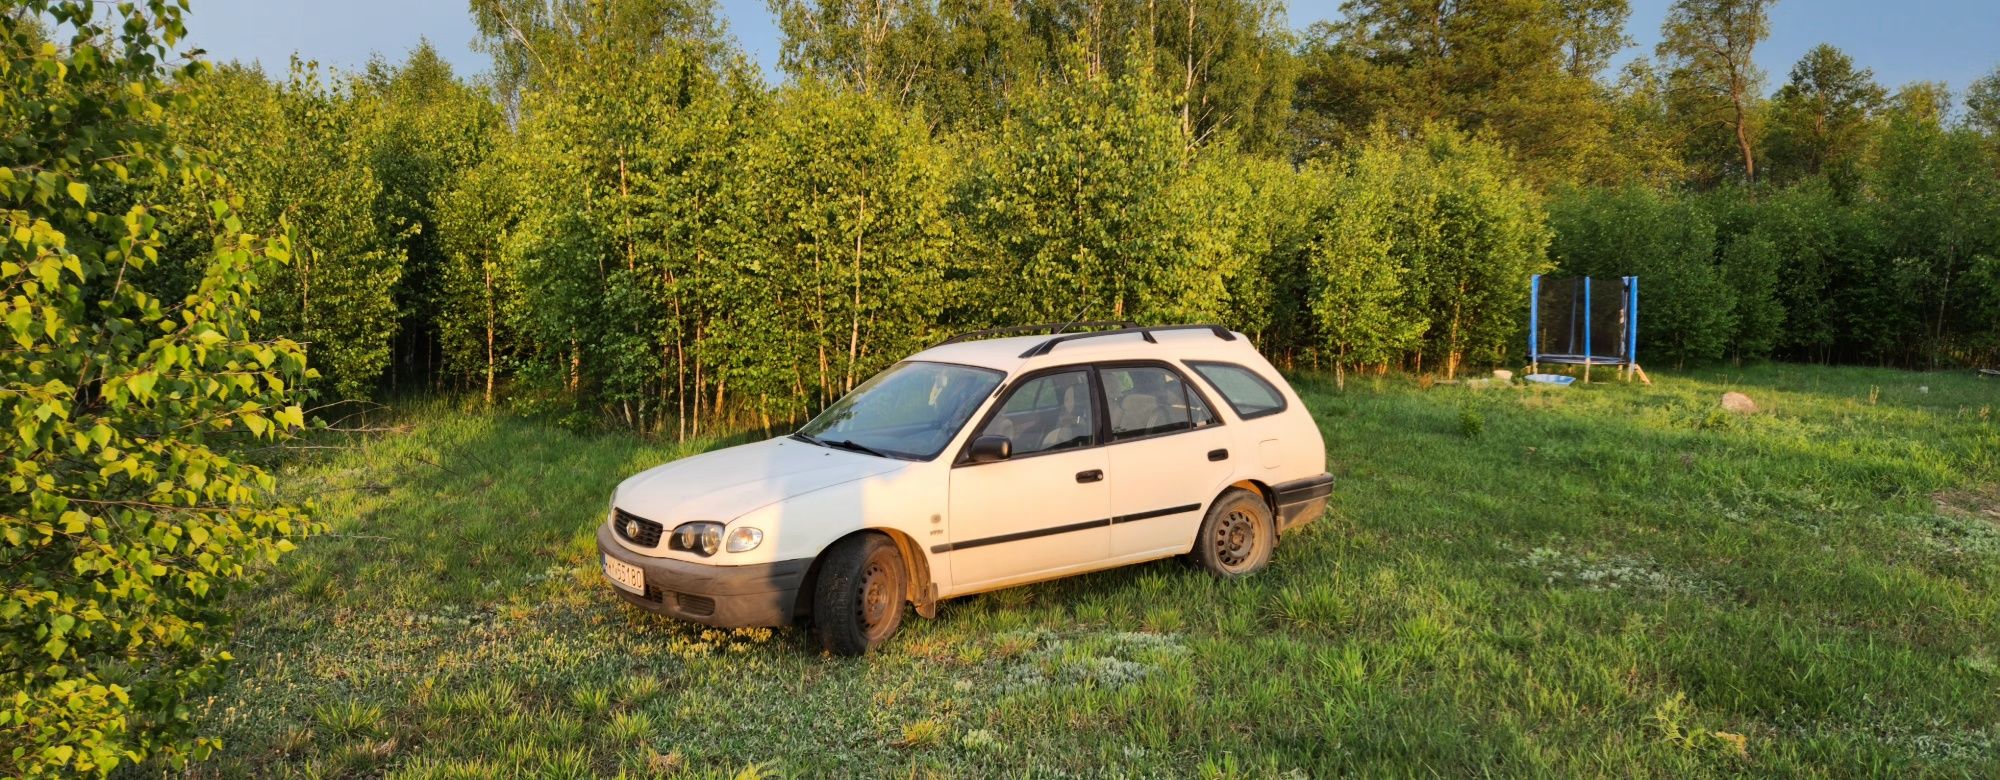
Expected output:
(878, 604)
(1236, 539)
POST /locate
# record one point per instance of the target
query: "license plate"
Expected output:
(625, 575)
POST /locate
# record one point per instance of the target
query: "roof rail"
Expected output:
(1145, 332)
(1052, 327)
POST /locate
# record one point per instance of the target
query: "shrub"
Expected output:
(1471, 423)
(126, 515)
(1423, 251)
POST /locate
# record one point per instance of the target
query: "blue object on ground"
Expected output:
(1550, 379)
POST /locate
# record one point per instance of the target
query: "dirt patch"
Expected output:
(1982, 503)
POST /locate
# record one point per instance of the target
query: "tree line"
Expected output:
(625, 220)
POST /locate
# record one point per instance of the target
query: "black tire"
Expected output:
(859, 596)
(1237, 537)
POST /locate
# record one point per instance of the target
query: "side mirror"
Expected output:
(988, 449)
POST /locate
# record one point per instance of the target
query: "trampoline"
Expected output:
(1584, 322)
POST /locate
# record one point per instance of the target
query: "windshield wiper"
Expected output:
(848, 444)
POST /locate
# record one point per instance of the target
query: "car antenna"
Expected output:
(1072, 321)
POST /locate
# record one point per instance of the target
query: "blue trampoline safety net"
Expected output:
(1583, 321)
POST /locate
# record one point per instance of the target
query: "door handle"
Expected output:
(1218, 454)
(1093, 475)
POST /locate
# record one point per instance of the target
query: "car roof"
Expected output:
(1004, 354)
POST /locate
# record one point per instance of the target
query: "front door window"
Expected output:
(1048, 413)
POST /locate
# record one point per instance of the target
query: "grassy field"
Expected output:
(1609, 580)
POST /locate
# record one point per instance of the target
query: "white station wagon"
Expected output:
(1084, 451)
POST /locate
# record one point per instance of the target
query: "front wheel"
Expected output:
(858, 599)
(1237, 537)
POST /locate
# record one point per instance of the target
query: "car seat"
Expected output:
(1073, 424)
(1145, 406)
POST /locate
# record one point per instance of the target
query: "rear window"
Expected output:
(1243, 389)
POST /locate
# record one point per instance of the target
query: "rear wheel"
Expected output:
(858, 599)
(1237, 537)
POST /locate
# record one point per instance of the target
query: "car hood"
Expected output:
(725, 484)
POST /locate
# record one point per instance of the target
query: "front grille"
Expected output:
(635, 529)
(695, 605)
(654, 594)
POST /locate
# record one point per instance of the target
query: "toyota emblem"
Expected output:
(632, 528)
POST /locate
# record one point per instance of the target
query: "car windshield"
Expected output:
(910, 411)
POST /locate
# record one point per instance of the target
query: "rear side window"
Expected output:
(1243, 389)
(1150, 400)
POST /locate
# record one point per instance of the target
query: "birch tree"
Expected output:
(1708, 44)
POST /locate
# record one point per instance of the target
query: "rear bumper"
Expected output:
(760, 594)
(1301, 501)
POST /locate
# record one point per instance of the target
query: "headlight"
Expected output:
(704, 538)
(745, 539)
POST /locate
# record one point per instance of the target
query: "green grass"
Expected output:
(1604, 580)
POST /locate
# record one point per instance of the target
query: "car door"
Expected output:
(1043, 509)
(1169, 456)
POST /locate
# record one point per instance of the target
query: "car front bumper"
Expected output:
(1301, 501)
(758, 594)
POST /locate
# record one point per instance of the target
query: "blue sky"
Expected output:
(1954, 41)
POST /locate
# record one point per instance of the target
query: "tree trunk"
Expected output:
(819, 322)
(1737, 87)
(492, 318)
(854, 312)
(721, 381)
(624, 206)
(698, 384)
(1451, 348)
(1743, 143)
(680, 372)
(1187, 81)
(1944, 297)
(1098, 24)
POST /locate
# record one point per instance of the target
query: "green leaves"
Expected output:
(1420, 253)
(300, 163)
(1224, 71)
(1687, 311)
(1521, 74)
(1708, 45)
(113, 464)
(1075, 204)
